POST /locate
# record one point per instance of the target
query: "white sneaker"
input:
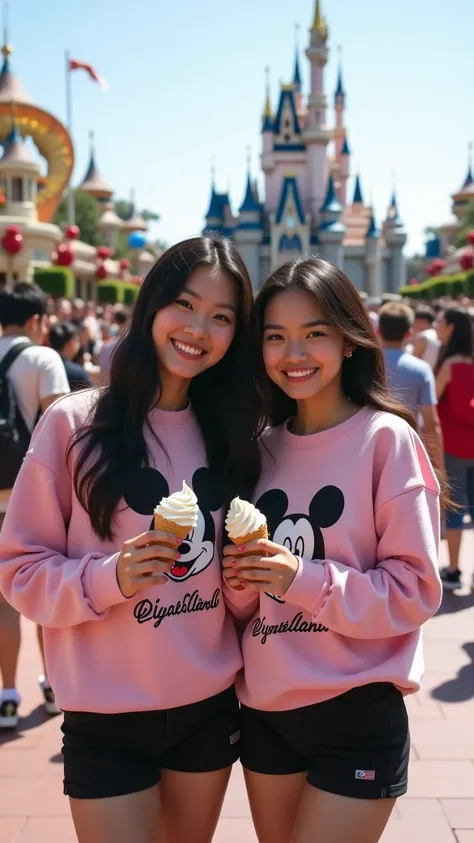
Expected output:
(9, 705)
(49, 700)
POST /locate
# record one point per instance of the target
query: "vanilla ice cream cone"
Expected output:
(245, 523)
(177, 513)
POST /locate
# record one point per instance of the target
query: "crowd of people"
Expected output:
(331, 419)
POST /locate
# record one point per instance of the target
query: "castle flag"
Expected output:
(74, 64)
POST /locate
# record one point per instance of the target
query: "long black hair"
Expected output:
(363, 374)
(224, 398)
(461, 339)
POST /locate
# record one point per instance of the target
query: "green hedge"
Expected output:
(110, 292)
(57, 281)
(130, 294)
(441, 285)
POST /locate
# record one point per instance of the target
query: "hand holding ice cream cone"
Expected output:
(252, 561)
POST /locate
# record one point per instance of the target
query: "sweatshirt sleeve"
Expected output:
(395, 597)
(36, 575)
(242, 604)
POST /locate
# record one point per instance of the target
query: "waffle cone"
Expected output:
(178, 530)
(261, 533)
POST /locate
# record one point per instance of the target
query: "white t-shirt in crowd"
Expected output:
(432, 346)
(37, 373)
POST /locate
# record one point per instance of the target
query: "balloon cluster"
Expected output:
(435, 267)
(466, 260)
(12, 240)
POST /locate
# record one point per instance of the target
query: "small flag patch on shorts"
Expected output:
(234, 738)
(368, 775)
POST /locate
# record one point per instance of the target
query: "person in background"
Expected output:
(426, 343)
(64, 338)
(63, 309)
(117, 329)
(455, 391)
(38, 378)
(78, 310)
(410, 379)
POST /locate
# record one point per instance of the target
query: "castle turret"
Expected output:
(110, 225)
(249, 231)
(93, 183)
(345, 170)
(358, 196)
(18, 176)
(340, 137)
(317, 135)
(331, 229)
(134, 221)
(373, 258)
(395, 238)
(465, 194)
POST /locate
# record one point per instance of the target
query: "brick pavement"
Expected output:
(439, 807)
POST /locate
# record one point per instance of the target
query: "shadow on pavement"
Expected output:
(461, 688)
(455, 602)
(31, 721)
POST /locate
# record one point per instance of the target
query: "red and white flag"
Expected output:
(74, 64)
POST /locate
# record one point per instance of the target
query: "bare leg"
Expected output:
(454, 545)
(39, 633)
(191, 804)
(332, 818)
(10, 639)
(274, 803)
(134, 818)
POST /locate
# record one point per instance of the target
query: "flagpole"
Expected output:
(70, 196)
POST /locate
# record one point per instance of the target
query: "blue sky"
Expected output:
(187, 83)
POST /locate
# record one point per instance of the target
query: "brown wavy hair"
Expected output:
(363, 374)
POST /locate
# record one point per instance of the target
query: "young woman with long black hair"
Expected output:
(141, 651)
(349, 575)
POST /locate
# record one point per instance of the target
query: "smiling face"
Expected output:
(195, 331)
(303, 354)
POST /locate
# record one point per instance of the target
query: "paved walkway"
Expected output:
(438, 809)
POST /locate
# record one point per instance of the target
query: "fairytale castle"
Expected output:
(306, 209)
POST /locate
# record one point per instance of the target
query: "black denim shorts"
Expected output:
(356, 744)
(114, 754)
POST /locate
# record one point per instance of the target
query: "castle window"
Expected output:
(287, 123)
(287, 137)
(17, 190)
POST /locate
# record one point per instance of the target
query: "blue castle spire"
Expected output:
(331, 202)
(358, 197)
(250, 204)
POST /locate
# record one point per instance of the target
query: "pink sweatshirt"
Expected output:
(358, 504)
(169, 645)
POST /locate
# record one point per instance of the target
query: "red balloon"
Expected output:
(470, 237)
(467, 259)
(101, 273)
(429, 269)
(12, 240)
(73, 232)
(65, 255)
(125, 263)
(103, 252)
(413, 281)
(437, 266)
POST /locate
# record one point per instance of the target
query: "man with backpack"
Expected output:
(32, 377)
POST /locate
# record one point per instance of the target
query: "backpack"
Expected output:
(14, 434)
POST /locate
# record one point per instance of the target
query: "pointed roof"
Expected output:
(393, 215)
(319, 24)
(134, 222)
(217, 204)
(109, 218)
(289, 190)
(267, 123)
(93, 182)
(358, 197)
(15, 151)
(345, 147)
(249, 205)
(297, 72)
(331, 202)
(469, 179)
(340, 91)
(11, 89)
(372, 230)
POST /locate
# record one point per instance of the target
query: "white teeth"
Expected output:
(302, 373)
(187, 348)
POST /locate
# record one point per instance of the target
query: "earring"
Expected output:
(348, 354)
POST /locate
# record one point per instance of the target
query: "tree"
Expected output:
(467, 224)
(124, 206)
(87, 216)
